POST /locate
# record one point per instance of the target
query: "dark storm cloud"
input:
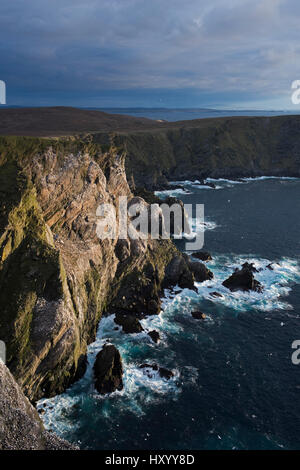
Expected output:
(73, 48)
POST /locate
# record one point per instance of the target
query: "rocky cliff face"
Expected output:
(56, 276)
(221, 147)
(20, 425)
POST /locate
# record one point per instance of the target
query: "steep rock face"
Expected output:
(219, 148)
(56, 276)
(20, 425)
(161, 152)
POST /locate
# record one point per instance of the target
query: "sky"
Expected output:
(238, 54)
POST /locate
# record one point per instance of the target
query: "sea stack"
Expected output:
(108, 370)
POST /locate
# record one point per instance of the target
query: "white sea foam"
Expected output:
(261, 178)
(195, 184)
(276, 284)
(139, 388)
(221, 183)
(171, 192)
(142, 389)
(198, 226)
(181, 182)
(223, 180)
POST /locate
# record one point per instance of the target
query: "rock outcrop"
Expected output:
(20, 424)
(178, 224)
(178, 272)
(200, 271)
(56, 276)
(108, 370)
(198, 315)
(202, 255)
(243, 279)
(151, 369)
(154, 335)
(129, 323)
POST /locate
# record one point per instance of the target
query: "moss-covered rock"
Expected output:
(56, 276)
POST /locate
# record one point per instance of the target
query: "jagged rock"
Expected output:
(54, 289)
(200, 271)
(270, 267)
(198, 315)
(215, 294)
(94, 173)
(178, 272)
(154, 335)
(211, 185)
(163, 372)
(243, 279)
(180, 224)
(250, 267)
(139, 292)
(202, 255)
(108, 370)
(129, 323)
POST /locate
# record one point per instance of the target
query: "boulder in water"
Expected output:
(178, 272)
(165, 373)
(215, 294)
(154, 335)
(198, 315)
(108, 370)
(150, 369)
(243, 279)
(250, 267)
(129, 323)
(200, 271)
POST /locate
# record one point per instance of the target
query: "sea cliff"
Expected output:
(57, 278)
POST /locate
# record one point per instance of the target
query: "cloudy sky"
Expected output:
(157, 53)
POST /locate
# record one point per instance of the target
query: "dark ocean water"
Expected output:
(235, 386)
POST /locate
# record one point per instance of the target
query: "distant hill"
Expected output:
(58, 121)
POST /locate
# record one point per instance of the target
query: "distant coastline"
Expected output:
(186, 114)
(179, 114)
